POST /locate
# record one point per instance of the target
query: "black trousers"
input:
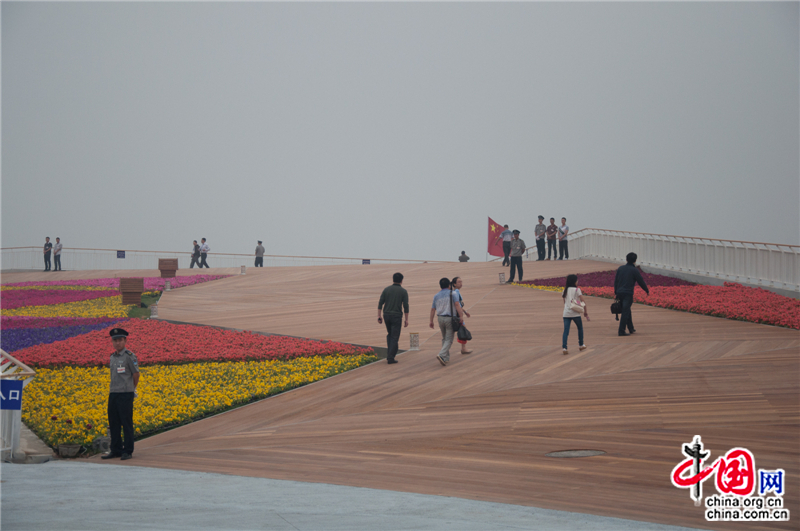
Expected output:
(516, 261)
(551, 247)
(506, 252)
(563, 249)
(625, 319)
(120, 415)
(194, 261)
(47, 261)
(394, 323)
(203, 260)
(57, 262)
(540, 248)
(259, 261)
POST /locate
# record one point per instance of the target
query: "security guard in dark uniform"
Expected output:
(124, 379)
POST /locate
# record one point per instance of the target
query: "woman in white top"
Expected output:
(572, 296)
(456, 284)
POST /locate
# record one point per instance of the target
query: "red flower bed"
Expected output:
(156, 342)
(732, 301)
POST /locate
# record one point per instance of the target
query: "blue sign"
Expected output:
(364, 262)
(120, 254)
(11, 394)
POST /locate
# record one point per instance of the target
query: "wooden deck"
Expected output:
(480, 427)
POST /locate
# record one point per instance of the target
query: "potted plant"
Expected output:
(69, 436)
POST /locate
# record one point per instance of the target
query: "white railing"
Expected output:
(772, 265)
(30, 258)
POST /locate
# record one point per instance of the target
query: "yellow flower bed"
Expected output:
(543, 288)
(168, 394)
(102, 307)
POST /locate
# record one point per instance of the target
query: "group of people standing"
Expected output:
(199, 254)
(553, 234)
(55, 250)
(514, 247)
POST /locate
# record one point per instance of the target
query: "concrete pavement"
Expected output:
(76, 495)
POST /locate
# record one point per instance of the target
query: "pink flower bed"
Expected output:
(606, 278)
(732, 301)
(150, 283)
(9, 323)
(39, 297)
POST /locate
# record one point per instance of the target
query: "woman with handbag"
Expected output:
(574, 306)
(463, 334)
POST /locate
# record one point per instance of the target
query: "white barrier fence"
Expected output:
(770, 265)
(30, 258)
(11, 419)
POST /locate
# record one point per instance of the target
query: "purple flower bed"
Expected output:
(18, 298)
(20, 338)
(10, 323)
(150, 283)
(601, 279)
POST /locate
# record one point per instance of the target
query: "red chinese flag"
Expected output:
(495, 247)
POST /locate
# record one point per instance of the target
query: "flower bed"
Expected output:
(159, 342)
(606, 278)
(731, 301)
(103, 307)
(150, 283)
(168, 395)
(61, 328)
(37, 297)
(20, 338)
(43, 322)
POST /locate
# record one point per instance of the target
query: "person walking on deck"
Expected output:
(195, 254)
(204, 250)
(624, 282)
(394, 302)
(456, 284)
(445, 307)
(506, 235)
(572, 296)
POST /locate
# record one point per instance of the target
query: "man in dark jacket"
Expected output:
(627, 276)
(394, 302)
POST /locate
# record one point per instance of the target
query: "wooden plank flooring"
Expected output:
(480, 427)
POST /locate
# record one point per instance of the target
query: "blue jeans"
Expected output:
(579, 324)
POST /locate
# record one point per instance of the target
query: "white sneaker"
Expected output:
(582, 347)
(565, 351)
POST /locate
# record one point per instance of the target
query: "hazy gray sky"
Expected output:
(392, 130)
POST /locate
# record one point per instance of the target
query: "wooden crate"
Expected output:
(167, 266)
(131, 289)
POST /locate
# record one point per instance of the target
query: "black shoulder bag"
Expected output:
(616, 307)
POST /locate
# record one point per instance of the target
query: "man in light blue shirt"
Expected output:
(507, 236)
(444, 304)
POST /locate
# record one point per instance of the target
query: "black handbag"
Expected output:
(464, 334)
(616, 308)
(456, 321)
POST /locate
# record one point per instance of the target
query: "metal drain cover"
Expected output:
(575, 453)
